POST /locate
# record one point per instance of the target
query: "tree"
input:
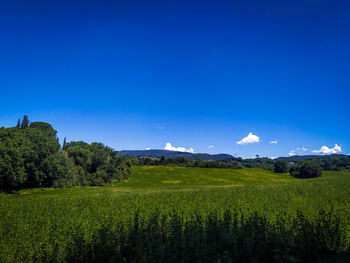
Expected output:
(162, 160)
(59, 171)
(22, 152)
(293, 170)
(31, 157)
(25, 122)
(99, 155)
(308, 169)
(12, 170)
(76, 143)
(198, 162)
(81, 157)
(64, 144)
(44, 127)
(237, 165)
(281, 166)
(19, 123)
(181, 160)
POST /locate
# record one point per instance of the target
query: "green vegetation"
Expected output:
(235, 163)
(271, 218)
(30, 156)
(306, 169)
(281, 166)
(333, 162)
(172, 210)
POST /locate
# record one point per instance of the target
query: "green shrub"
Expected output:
(307, 169)
(281, 166)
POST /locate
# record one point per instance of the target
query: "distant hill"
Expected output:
(174, 154)
(298, 158)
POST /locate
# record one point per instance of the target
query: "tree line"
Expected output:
(31, 156)
(234, 163)
(301, 169)
(279, 166)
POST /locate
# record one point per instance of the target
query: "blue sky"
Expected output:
(140, 74)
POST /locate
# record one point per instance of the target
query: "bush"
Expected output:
(280, 166)
(307, 169)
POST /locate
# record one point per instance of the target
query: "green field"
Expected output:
(179, 214)
(161, 176)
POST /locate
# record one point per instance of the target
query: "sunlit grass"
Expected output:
(157, 176)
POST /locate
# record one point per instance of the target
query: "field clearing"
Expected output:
(79, 224)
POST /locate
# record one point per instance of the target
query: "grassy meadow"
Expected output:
(179, 214)
(162, 176)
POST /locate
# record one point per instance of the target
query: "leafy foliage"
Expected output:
(22, 152)
(307, 169)
(44, 127)
(281, 166)
(25, 122)
(60, 171)
(30, 157)
(332, 162)
(182, 161)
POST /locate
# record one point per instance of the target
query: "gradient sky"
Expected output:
(139, 74)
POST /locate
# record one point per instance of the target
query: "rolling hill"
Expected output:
(174, 154)
(297, 158)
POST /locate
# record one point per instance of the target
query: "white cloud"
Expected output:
(211, 147)
(326, 150)
(298, 151)
(292, 153)
(148, 149)
(251, 138)
(273, 142)
(169, 147)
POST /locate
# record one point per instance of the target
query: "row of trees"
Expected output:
(304, 169)
(184, 162)
(335, 163)
(31, 156)
(235, 163)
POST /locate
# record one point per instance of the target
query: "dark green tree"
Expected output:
(21, 153)
(281, 166)
(64, 144)
(77, 143)
(19, 123)
(198, 162)
(308, 169)
(12, 169)
(44, 127)
(99, 155)
(162, 160)
(181, 160)
(81, 157)
(59, 171)
(25, 122)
